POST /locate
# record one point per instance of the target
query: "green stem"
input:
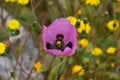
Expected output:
(57, 67)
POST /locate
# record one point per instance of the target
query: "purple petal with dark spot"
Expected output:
(64, 27)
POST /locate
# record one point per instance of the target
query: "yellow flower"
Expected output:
(93, 2)
(96, 51)
(84, 27)
(10, 1)
(2, 48)
(72, 19)
(78, 69)
(111, 50)
(38, 66)
(113, 25)
(23, 2)
(61, 77)
(85, 60)
(118, 0)
(112, 64)
(13, 24)
(79, 12)
(83, 42)
(97, 61)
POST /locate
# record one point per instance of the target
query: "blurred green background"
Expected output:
(43, 12)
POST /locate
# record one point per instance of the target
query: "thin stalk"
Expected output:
(57, 68)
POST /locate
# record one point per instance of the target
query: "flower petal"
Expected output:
(55, 52)
(73, 40)
(60, 26)
(45, 37)
(67, 51)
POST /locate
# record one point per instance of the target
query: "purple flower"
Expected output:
(60, 38)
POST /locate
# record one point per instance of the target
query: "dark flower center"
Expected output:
(114, 25)
(59, 43)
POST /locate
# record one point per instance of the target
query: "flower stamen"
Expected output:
(59, 43)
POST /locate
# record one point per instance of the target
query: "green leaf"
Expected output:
(17, 32)
(36, 28)
(0, 78)
(18, 49)
(13, 74)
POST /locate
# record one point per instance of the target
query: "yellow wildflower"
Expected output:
(38, 66)
(112, 64)
(23, 2)
(118, 0)
(61, 77)
(2, 48)
(96, 51)
(83, 42)
(97, 61)
(72, 19)
(84, 27)
(113, 25)
(93, 2)
(79, 12)
(10, 1)
(85, 60)
(78, 69)
(111, 50)
(13, 24)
